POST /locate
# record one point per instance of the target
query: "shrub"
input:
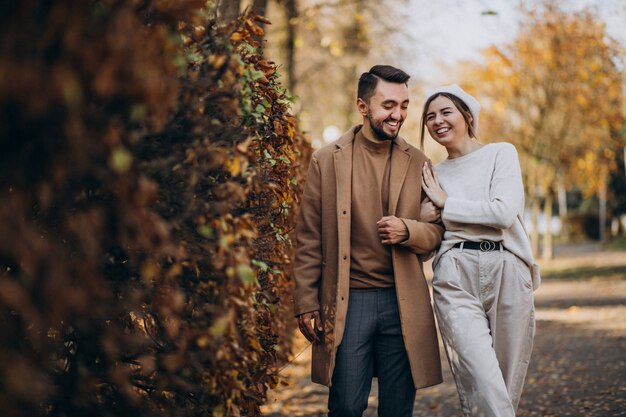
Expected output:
(149, 174)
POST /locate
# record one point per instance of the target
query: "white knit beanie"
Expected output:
(456, 90)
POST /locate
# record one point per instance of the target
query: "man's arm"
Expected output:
(308, 260)
(420, 237)
(423, 237)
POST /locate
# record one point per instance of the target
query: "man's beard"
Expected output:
(379, 130)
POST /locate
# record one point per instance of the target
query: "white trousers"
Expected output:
(485, 308)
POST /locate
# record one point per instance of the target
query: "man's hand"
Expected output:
(429, 213)
(392, 230)
(308, 330)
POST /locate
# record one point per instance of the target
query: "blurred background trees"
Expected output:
(323, 46)
(557, 93)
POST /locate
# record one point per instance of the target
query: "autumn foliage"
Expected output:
(149, 174)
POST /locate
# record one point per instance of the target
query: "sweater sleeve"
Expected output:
(308, 259)
(506, 195)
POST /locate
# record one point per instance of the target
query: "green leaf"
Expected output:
(206, 231)
(255, 74)
(72, 92)
(246, 274)
(138, 113)
(195, 57)
(261, 265)
(220, 326)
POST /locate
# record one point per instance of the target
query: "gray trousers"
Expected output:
(485, 310)
(372, 345)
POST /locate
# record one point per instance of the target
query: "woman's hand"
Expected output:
(430, 185)
(429, 213)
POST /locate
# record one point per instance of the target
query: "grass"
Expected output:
(618, 244)
(587, 273)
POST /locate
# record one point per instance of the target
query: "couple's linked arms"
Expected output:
(394, 230)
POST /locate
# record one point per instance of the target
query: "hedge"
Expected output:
(150, 170)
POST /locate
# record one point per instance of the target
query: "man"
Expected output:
(360, 295)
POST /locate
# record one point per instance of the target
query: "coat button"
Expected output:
(344, 212)
(345, 257)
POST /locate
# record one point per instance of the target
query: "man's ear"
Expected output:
(362, 106)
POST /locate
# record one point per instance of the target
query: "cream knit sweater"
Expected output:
(485, 201)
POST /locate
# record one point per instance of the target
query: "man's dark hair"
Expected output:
(369, 80)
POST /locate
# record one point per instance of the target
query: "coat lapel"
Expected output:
(400, 161)
(343, 173)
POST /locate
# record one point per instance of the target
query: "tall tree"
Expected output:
(259, 7)
(228, 10)
(291, 10)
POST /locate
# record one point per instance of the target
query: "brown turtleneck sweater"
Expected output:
(371, 265)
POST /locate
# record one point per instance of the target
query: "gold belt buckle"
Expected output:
(487, 246)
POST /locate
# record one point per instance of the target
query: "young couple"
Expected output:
(373, 209)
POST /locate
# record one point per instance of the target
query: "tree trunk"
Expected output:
(547, 252)
(259, 7)
(534, 221)
(602, 219)
(291, 9)
(562, 200)
(227, 11)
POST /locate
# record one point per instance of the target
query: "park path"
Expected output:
(578, 366)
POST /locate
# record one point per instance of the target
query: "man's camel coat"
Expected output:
(322, 264)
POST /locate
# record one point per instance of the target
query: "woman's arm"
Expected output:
(506, 195)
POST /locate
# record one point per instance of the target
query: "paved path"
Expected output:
(578, 366)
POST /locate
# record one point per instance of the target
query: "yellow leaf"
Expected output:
(221, 325)
(120, 160)
(234, 166)
(254, 344)
(218, 411)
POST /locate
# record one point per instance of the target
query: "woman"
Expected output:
(482, 285)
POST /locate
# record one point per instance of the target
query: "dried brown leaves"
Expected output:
(148, 191)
